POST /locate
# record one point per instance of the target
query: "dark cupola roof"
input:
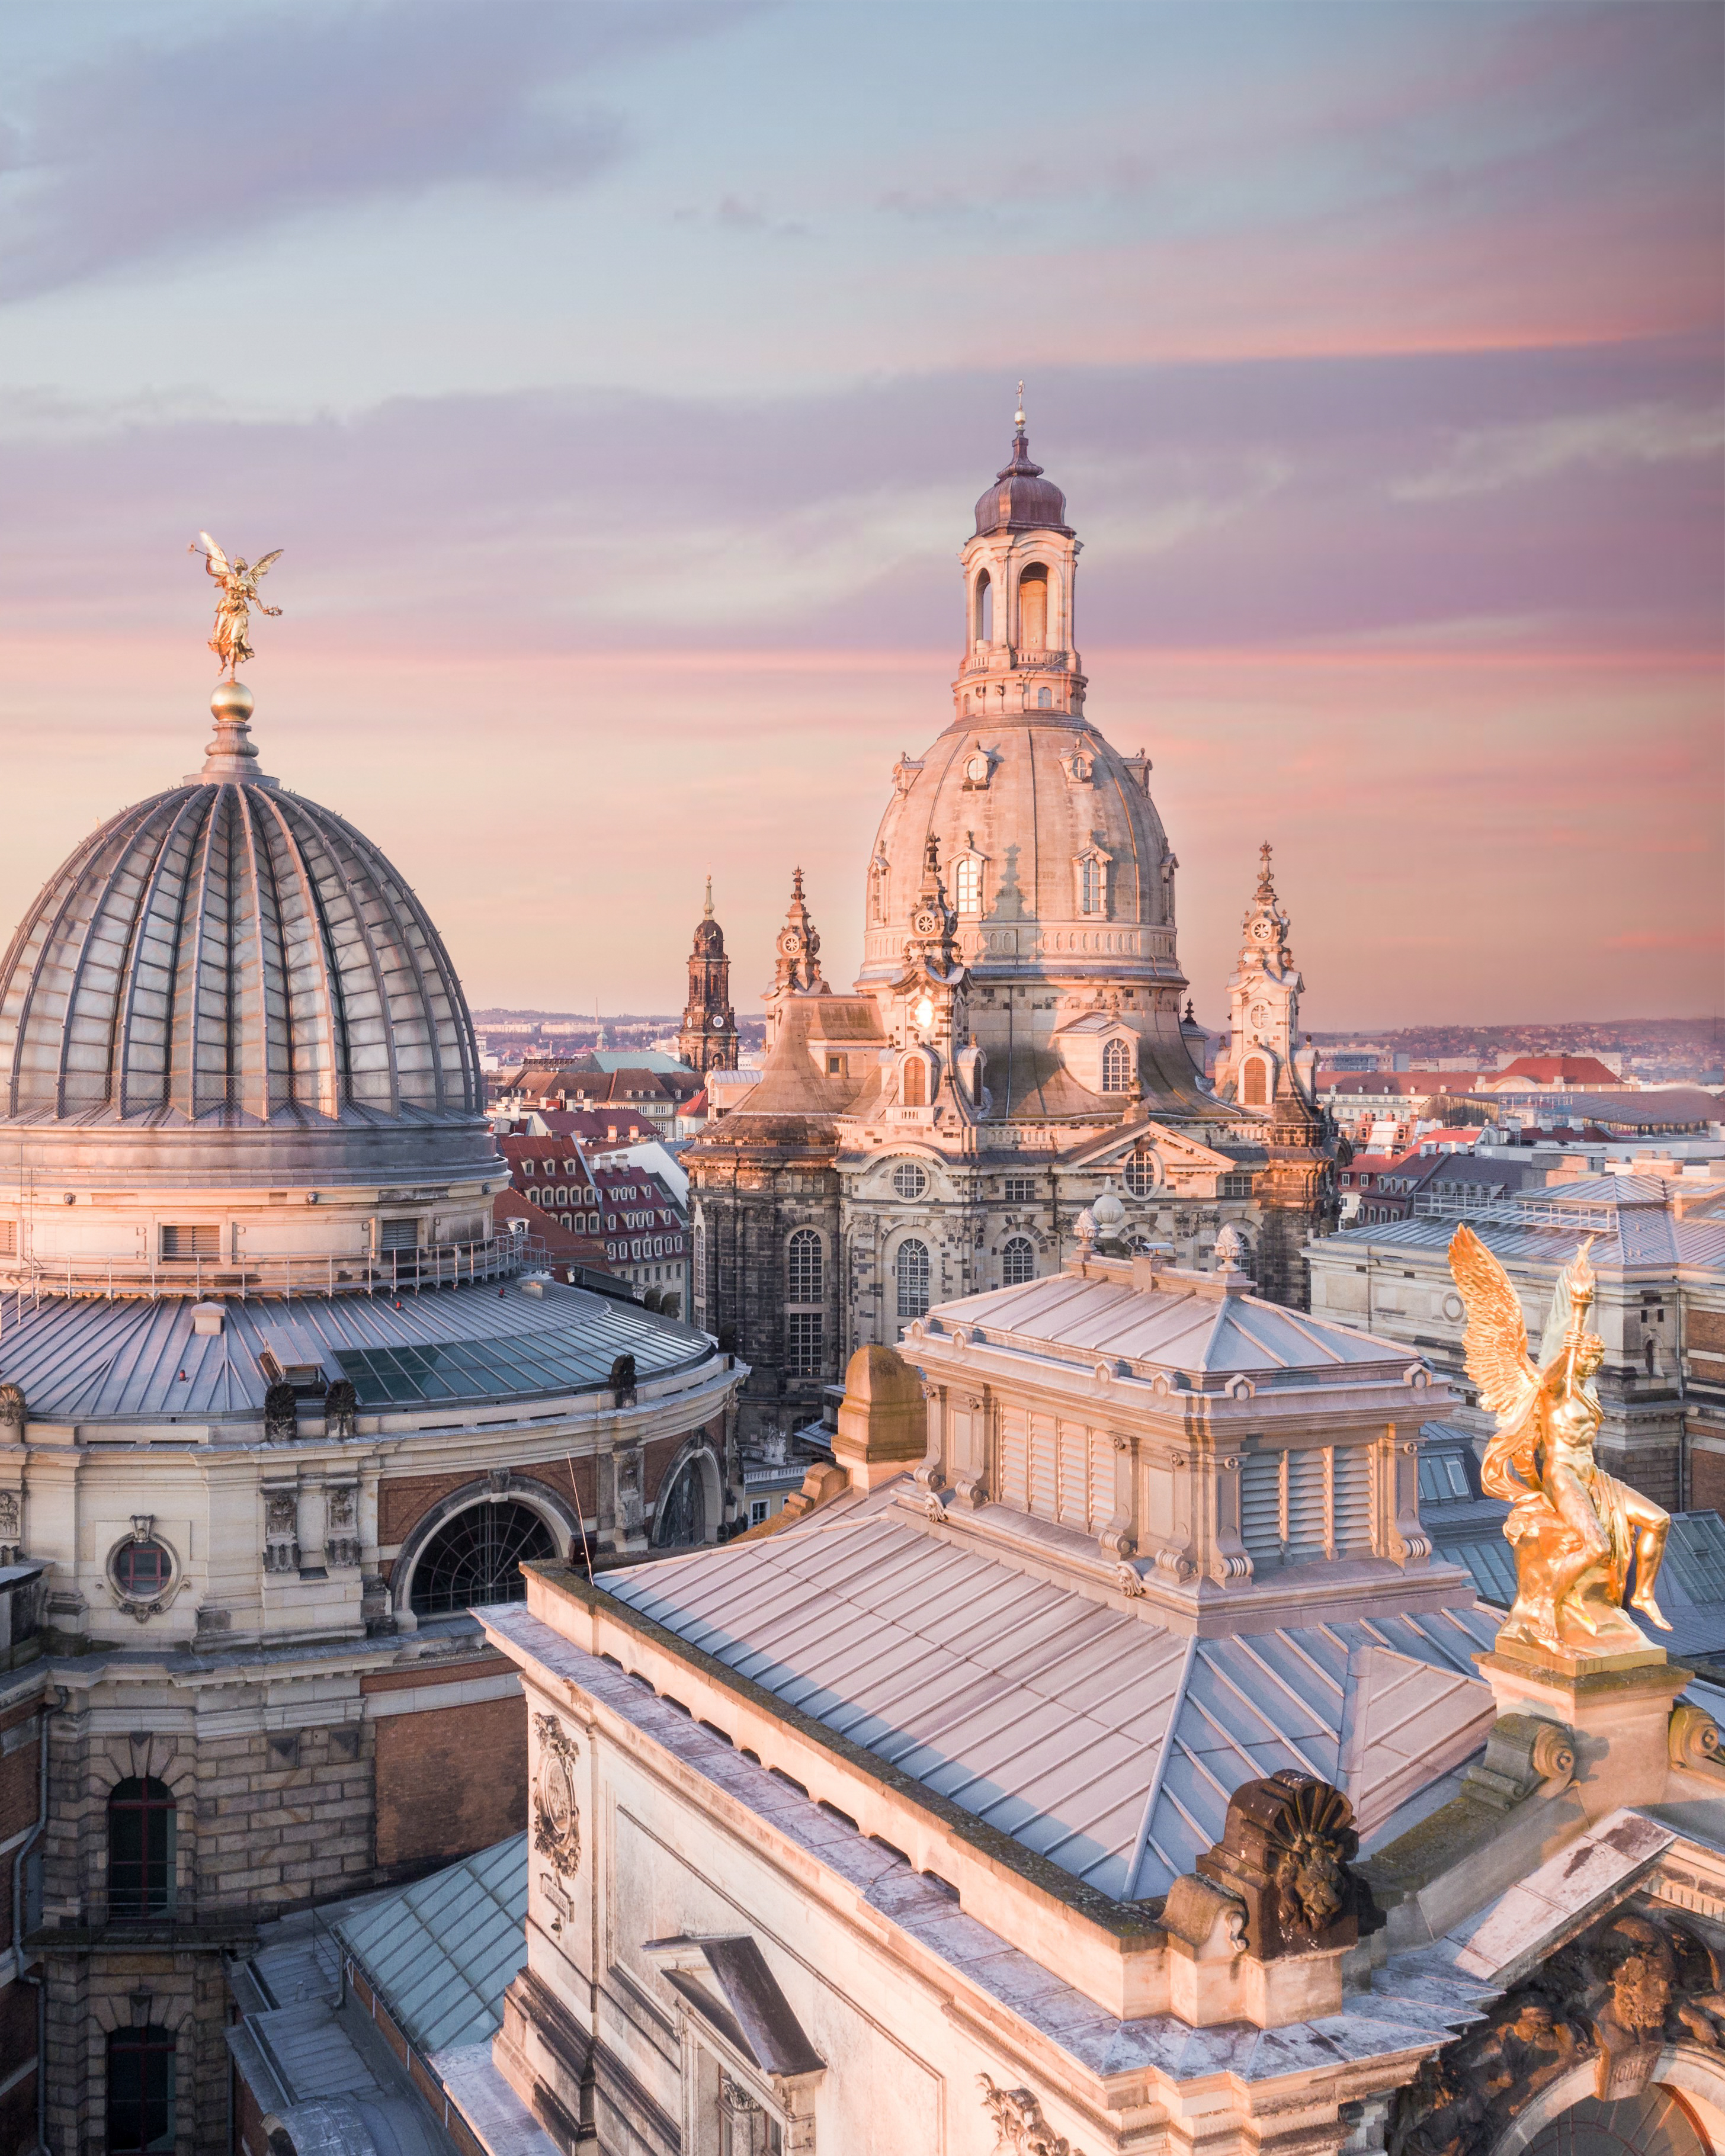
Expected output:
(1021, 499)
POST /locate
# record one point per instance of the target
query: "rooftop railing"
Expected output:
(280, 1273)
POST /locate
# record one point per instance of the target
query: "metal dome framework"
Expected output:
(228, 950)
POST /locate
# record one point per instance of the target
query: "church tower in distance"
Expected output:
(708, 1037)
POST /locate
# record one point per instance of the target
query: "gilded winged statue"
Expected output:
(1577, 1532)
(237, 594)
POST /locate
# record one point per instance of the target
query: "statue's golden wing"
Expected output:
(259, 567)
(1496, 1342)
(217, 560)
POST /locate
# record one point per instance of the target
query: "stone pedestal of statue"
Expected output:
(1618, 1707)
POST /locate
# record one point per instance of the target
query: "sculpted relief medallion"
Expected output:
(557, 1816)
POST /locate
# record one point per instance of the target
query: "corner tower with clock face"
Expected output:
(1261, 1055)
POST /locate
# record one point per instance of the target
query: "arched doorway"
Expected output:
(477, 1557)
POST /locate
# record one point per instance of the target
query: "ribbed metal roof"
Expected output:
(1630, 1235)
(1095, 1736)
(85, 1360)
(1183, 1324)
(228, 948)
(442, 1952)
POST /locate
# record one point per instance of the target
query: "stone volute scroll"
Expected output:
(1287, 1854)
(557, 1813)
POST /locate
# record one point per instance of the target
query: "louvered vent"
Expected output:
(1297, 1507)
(1353, 1501)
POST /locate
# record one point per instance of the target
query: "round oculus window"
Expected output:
(142, 1570)
(909, 1180)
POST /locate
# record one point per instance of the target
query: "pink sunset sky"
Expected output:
(619, 379)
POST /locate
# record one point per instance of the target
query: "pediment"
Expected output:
(1176, 1148)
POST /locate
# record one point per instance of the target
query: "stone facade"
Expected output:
(279, 1405)
(1014, 1043)
(1100, 1805)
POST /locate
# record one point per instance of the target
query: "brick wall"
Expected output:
(1706, 1481)
(450, 1780)
(404, 1500)
(20, 1793)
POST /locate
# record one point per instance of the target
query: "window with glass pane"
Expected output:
(967, 885)
(913, 1271)
(140, 2091)
(141, 1820)
(803, 1266)
(1117, 1067)
(803, 1343)
(477, 1557)
(1018, 1261)
(1020, 1189)
(1140, 1174)
(909, 1180)
(142, 1570)
(1091, 885)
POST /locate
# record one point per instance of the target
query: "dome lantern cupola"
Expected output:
(1020, 500)
(1020, 563)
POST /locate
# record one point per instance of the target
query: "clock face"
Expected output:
(925, 1012)
(1260, 929)
(790, 940)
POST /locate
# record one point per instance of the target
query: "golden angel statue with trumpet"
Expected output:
(237, 594)
(1577, 1532)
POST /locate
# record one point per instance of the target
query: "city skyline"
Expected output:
(622, 451)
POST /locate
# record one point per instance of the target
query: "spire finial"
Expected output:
(708, 915)
(1017, 417)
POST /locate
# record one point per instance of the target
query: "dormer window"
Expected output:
(967, 883)
(1116, 1066)
(1091, 873)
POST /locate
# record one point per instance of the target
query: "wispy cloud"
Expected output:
(160, 152)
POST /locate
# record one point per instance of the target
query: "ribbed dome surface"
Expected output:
(232, 952)
(1021, 499)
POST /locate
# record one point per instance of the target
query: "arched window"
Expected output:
(1092, 884)
(984, 608)
(682, 1517)
(1117, 1067)
(140, 2091)
(1045, 700)
(141, 1822)
(913, 1084)
(1032, 608)
(803, 1266)
(1018, 1261)
(1254, 1083)
(475, 1558)
(912, 1278)
(968, 884)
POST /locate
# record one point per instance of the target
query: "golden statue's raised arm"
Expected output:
(1577, 1532)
